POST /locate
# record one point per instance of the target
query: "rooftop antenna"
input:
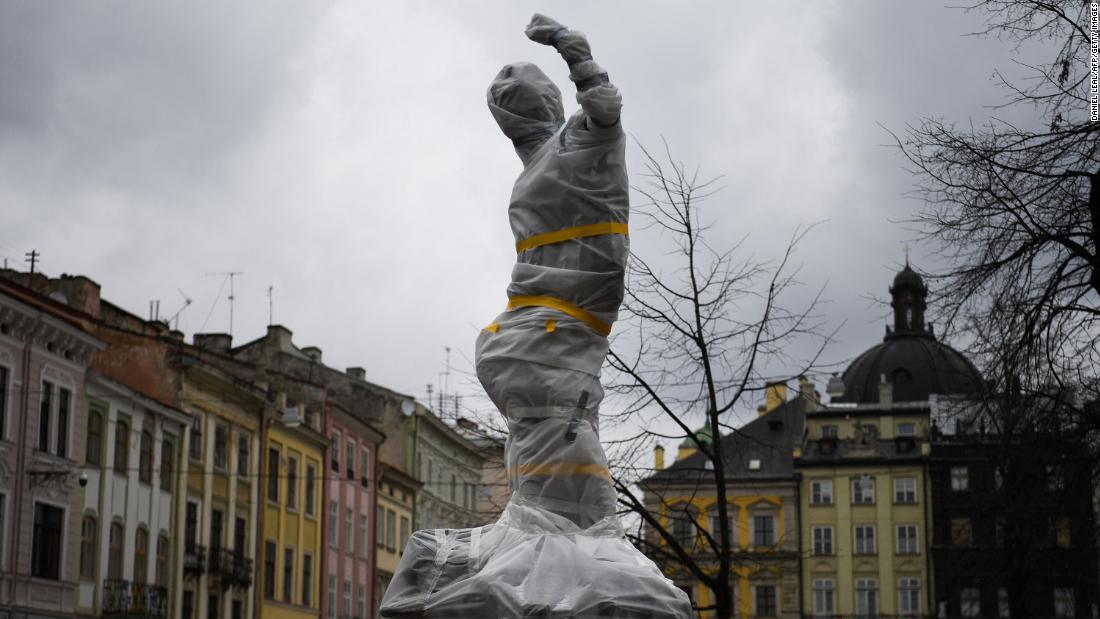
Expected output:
(429, 395)
(271, 305)
(231, 275)
(32, 257)
(187, 301)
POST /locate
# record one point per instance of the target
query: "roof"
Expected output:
(770, 438)
(916, 364)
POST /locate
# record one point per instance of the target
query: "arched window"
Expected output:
(145, 459)
(93, 453)
(122, 446)
(162, 560)
(167, 465)
(114, 553)
(141, 554)
(87, 547)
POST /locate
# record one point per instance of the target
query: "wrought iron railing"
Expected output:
(122, 598)
(194, 560)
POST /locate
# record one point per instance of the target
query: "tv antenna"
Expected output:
(187, 301)
(231, 276)
(271, 305)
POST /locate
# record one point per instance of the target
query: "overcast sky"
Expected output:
(342, 152)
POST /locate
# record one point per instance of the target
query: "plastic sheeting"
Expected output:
(558, 550)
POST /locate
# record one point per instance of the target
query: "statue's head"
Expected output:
(526, 105)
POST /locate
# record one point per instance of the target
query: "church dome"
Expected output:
(910, 357)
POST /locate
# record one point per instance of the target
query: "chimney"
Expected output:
(885, 392)
(659, 458)
(281, 337)
(761, 410)
(79, 292)
(835, 388)
(176, 335)
(313, 353)
(776, 395)
(215, 342)
(808, 394)
(357, 372)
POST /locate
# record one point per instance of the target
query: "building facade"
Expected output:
(130, 497)
(761, 505)
(397, 494)
(450, 467)
(44, 355)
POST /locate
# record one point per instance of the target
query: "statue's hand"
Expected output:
(545, 30)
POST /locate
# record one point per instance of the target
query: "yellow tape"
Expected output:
(565, 234)
(560, 469)
(551, 325)
(492, 327)
(564, 307)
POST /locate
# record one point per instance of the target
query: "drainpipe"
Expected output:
(20, 464)
(798, 529)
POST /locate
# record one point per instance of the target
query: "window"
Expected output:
(195, 449)
(364, 548)
(962, 532)
(763, 531)
(960, 478)
(1003, 609)
(114, 552)
(141, 555)
(188, 604)
(380, 526)
(238, 609)
(212, 606)
(391, 526)
(765, 601)
(46, 543)
(999, 532)
(863, 490)
(907, 539)
(905, 490)
(864, 539)
(334, 449)
(162, 560)
(1061, 532)
(998, 478)
(311, 481)
(64, 401)
(361, 611)
(221, 442)
(1056, 480)
(404, 539)
(307, 580)
(217, 531)
(970, 602)
(292, 482)
(45, 407)
(145, 458)
(909, 597)
(866, 597)
(907, 429)
(269, 569)
(87, 547)
(349, 531)
(347, 597)
(1064, 605)
(288, 574)
(351, 459)
(364, 469)
(334, 524)
(823, 540)
(243, 451)
(273, 474)
(240, 537)
(167, 464)
(683, 528)
(331, 596)
(824, 597)
(122, 446)
(754, 464)
(828, 432)
(5, 375)
(821, 492)
(191, 524)
(93, 440)
(731, 523)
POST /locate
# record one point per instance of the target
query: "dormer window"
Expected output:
(754, 464)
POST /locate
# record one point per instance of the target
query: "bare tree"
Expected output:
(1014, 208)
(705, 327)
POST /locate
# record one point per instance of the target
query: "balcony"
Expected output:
(234, 568)
(194, 560)
(122, 598)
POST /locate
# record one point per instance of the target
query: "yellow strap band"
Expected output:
(492, 327)
(564, 307)
(576, 232)
(560, 469)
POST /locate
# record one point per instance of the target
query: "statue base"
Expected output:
(531, 563)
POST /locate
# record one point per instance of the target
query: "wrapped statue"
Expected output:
(558, 549)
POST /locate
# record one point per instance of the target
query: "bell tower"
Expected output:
(907, 295)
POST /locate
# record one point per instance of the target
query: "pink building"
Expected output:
(44, 355)
(350, 498)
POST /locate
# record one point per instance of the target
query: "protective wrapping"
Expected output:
(558, 550)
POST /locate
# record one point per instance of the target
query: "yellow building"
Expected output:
(393, 525)
(864, 510)
(291, 551)
(762, 508)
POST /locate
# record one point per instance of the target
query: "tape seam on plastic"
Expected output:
(564, 307)
(576, 232)
(561, 469)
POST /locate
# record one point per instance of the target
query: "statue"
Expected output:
(558, 549)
